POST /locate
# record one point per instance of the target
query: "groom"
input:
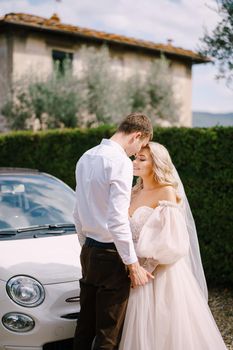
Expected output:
(104, 179)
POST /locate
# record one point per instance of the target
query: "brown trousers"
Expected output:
(103, 298)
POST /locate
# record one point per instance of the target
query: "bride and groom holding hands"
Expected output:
(143, 285)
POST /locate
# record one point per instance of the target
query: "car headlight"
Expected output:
(17, 322)
(25, 291)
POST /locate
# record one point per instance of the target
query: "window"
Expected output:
(61, 59)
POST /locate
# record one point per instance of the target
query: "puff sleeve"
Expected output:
(164, 237)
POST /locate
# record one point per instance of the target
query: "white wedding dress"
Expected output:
(170, 312)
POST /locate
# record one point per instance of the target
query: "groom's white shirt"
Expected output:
(104, 179)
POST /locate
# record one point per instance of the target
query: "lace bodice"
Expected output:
(141, 214)
(138, 219)
(159, 234)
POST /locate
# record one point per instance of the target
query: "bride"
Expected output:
(170, 312)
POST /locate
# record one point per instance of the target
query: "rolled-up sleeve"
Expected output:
(119, 201)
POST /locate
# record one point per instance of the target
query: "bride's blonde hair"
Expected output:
(162, 167)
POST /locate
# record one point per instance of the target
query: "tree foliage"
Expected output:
(219, 43)
(94, 95)
(44, 103)
(153, 93)
(105, 94)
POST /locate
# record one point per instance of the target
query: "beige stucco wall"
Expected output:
(31, 56)
(34, 54)
(128, 63)
(182, 78)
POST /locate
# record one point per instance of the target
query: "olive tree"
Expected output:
(94, 95)
(153, 93)
(219, 43)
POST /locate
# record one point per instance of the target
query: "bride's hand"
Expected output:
(138, 275)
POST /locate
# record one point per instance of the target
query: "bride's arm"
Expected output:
(149, 264)
(164, 237)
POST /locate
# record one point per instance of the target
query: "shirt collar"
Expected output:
(113, 144)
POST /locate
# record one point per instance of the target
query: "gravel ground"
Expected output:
(221, 304)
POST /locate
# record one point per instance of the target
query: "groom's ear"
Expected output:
(138, 135)
(135, 136)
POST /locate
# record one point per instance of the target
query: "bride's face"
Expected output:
(143, 163)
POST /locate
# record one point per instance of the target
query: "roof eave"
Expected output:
(194, 60)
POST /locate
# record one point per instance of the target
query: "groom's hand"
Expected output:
(138, 275)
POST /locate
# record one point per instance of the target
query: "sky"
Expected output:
(183, 21)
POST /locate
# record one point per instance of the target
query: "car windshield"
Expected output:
(38, 199)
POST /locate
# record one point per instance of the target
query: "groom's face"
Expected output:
(136, 144)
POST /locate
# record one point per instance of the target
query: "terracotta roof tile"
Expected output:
(54, 24)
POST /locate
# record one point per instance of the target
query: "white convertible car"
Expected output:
(39, 262)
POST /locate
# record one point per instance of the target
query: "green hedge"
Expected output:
(203, 157)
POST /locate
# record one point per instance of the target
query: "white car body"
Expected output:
(47, 255)
(53, 261)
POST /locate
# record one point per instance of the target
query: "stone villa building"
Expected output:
(30, 42)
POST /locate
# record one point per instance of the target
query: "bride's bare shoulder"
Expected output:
(168, 193)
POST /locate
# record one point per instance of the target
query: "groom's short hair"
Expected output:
(136, 122)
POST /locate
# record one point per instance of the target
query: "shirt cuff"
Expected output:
(130, 259)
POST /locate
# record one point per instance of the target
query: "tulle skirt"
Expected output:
(170, 313)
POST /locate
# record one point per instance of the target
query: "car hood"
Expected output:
(48, 259)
